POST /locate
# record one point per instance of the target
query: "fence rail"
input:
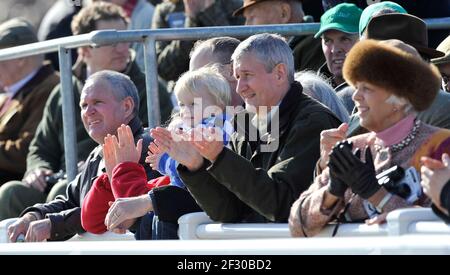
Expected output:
(148, 37)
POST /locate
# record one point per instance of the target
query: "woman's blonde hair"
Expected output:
(209, 79)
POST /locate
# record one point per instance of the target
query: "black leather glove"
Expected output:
(348, 167)
(336, 186)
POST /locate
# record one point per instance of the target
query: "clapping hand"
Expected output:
(176, 144)
(434, 176)
(328, 139)
(154, 155)
(208, 142)
(120, 150)
(358, 175)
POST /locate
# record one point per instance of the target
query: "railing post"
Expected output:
(151, 81)
(68, 113)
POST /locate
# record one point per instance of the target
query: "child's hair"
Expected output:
(208, 78)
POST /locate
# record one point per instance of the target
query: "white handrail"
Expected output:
(197, 226)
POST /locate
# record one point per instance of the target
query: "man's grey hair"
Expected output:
(121, 86)
(269, 49)
(220, 47)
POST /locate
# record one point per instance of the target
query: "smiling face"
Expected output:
(257, 86)
(374, 112)
(101, 112)
(335, 46)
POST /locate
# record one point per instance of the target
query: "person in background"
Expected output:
(173, 56)
(140, 14)
(26, 83)
(56, 24)
(46, 156)
(443, 63)
(338, 32)
(217, 51)
(307, 50)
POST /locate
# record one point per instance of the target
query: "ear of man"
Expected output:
(128, 106)
(285, 12)
(280, 72)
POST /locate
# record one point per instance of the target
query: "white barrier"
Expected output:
(404, 245)
(4, 229)
(197, 226)
(107, 236)
(407, 231)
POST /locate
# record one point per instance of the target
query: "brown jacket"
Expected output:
(18, 123)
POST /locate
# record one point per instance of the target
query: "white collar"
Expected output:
(12, 90)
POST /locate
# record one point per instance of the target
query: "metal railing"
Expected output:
(149, 38)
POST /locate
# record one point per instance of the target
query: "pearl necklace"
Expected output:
(407, 140)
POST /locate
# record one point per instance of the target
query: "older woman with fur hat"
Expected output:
(392, 84)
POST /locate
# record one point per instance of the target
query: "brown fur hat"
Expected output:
(399, 72)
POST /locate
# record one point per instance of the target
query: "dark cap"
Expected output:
(16, 32)
(405, 27)
(249, 3)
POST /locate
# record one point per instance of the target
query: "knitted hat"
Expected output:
(399, 72)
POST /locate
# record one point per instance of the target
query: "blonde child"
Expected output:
(202, 97)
